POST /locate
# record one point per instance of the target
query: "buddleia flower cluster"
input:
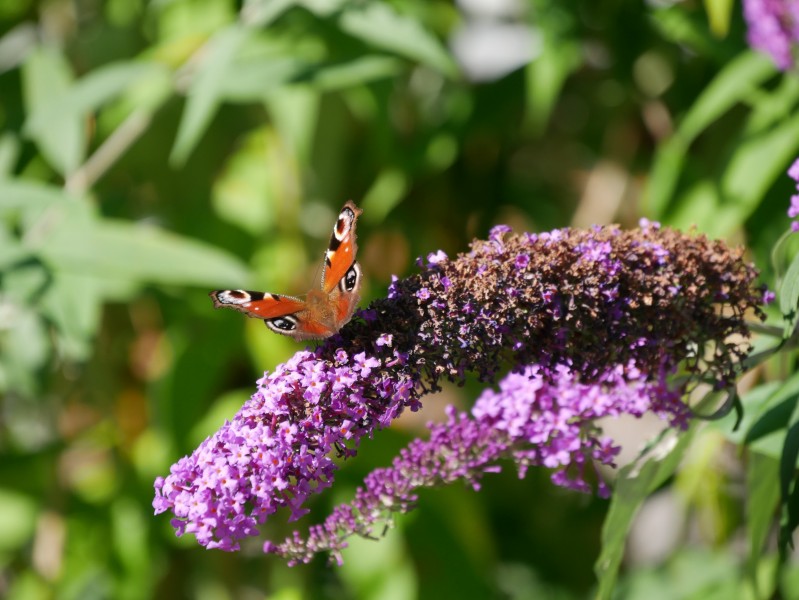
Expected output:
(575, 325)
(793, 209)
(773, 28)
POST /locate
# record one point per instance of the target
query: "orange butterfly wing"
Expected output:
(340, 254)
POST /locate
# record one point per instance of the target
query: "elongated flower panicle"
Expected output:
(793, 210)
(532, 420)
(773, 28)
(579, 305)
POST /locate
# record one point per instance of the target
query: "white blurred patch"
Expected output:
(486, 50)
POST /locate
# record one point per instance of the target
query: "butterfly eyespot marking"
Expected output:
(343, 226)
(282, 324)
(351, 277)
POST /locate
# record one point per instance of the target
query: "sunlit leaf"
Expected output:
(243, 193)
(776, 411)
(73, 303)
(18, 194)
(379, 25)
(47, 77)
(295, 112)
(123, 250)
(697, 206)
(634, 485)
(384, 194)
(17, 519)
(24, 349)
(356, 72)
(91, 92)
(719, 13)
(734, 84)
(664, 176)
(770, 107)
(252, 80)
(206, 90)
(261, 13)
(756, 164)
(763, 494)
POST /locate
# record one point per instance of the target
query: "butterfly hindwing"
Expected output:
(282, 314)
(345, 296)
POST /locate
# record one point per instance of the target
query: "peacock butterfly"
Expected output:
(322, 312)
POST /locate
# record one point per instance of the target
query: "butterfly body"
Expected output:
(321, 312)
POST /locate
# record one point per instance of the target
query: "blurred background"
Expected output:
(153, 151)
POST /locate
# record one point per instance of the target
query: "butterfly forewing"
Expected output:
(257, 304)
(341, 251)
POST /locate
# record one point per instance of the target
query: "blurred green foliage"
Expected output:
(152, 151)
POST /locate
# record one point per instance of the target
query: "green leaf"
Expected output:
(352, 73)
(9, 153)
(762, 498)
(46, 78)
(117, 249)
(386, 192)
(697, 206)
(789, 483)
(776, 411)
(73, 303)
(545, 77)
(295, 112)
(664, 176)
(379, 25)
(261, 13)
(679, 26)
(16, 195)
(17, 520)
(756, 165)
(780, 254)
(718, 13)
(12, 252)
(245, 192)
(24, 349)
(736, 82)
(770, 108)
(207, 90)
(634, 484)
(254, 79)
(93, 91)
(789, 293)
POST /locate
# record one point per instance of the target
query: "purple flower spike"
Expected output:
(773, 28)
(793, 209)
(585, 303)
(533, 420)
